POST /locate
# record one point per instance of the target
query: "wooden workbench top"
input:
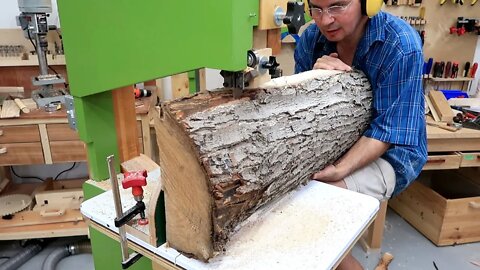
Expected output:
(438, 133)
(142, 106)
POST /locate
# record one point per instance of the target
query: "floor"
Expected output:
(412, 251)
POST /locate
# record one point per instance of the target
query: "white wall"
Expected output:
(9, 10)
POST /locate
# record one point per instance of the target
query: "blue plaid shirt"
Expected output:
(390, 54)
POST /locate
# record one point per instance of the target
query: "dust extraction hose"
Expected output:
(64, 251)
(22, 257)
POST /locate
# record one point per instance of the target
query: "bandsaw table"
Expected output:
(312, 227)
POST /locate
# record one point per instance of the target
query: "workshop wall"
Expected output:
(439, 43)
(11, 34)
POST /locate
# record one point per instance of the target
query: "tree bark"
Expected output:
(223, 158)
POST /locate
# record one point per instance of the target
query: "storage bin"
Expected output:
(443, 205)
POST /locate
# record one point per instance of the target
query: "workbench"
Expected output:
(312, 227)
(41, 137)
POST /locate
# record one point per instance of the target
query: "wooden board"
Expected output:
(11, 90)
(180, 85)
(9, 109)
(61, 132)
(465, 102)
(441, 106)
(19, 134)
(68, 151)
(267, 9)
(45, 231)
(28, 218)
(432, 108)
(125, 122)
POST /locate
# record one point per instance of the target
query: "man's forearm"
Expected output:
(363, 152)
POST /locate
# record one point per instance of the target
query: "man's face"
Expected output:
(342, 21)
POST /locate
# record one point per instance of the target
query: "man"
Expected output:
(392, 151)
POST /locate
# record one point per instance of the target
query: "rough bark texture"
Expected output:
(250, 151)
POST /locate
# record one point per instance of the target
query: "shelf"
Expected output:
(32, 61)
(459, 79)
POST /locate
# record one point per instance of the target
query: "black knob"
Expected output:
(294, 17)
(271, 65)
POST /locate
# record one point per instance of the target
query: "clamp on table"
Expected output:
(134, 180)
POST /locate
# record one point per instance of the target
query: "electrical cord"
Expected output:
(69, 169)
(31, 177)
(38, 178)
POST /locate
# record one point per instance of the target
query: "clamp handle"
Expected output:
(135, 180)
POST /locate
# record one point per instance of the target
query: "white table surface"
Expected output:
(310, 228)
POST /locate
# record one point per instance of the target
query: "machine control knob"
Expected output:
(294, 18)
(271, 65)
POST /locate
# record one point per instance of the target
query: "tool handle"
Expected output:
(3, 150)
(134, 179)
(133, 258)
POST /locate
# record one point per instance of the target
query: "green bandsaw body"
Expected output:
(115, 43)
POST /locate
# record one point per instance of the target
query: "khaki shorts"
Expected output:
(376, 180)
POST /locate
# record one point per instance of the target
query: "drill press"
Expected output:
(33, 20)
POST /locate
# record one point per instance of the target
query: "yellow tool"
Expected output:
(442, 2)
(473, 2)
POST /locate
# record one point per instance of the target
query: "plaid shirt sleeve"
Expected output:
(304, 50)
(399, 102)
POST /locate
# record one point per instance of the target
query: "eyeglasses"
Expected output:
(331, 11)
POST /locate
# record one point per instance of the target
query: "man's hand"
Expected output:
(331, 62)
(329, 174)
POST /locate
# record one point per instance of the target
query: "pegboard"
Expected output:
(439, 43)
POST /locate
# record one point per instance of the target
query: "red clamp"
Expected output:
(135, 180)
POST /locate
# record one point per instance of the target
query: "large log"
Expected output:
(223, 158)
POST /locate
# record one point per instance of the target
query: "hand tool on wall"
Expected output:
(473, 70)
(448, 69)
(442, 2)
(473, 2)
(454, 72)
(428, 67)
(466, 69)
(438, 69)
(127, 259)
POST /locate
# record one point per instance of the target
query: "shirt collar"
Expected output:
(373, 32)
